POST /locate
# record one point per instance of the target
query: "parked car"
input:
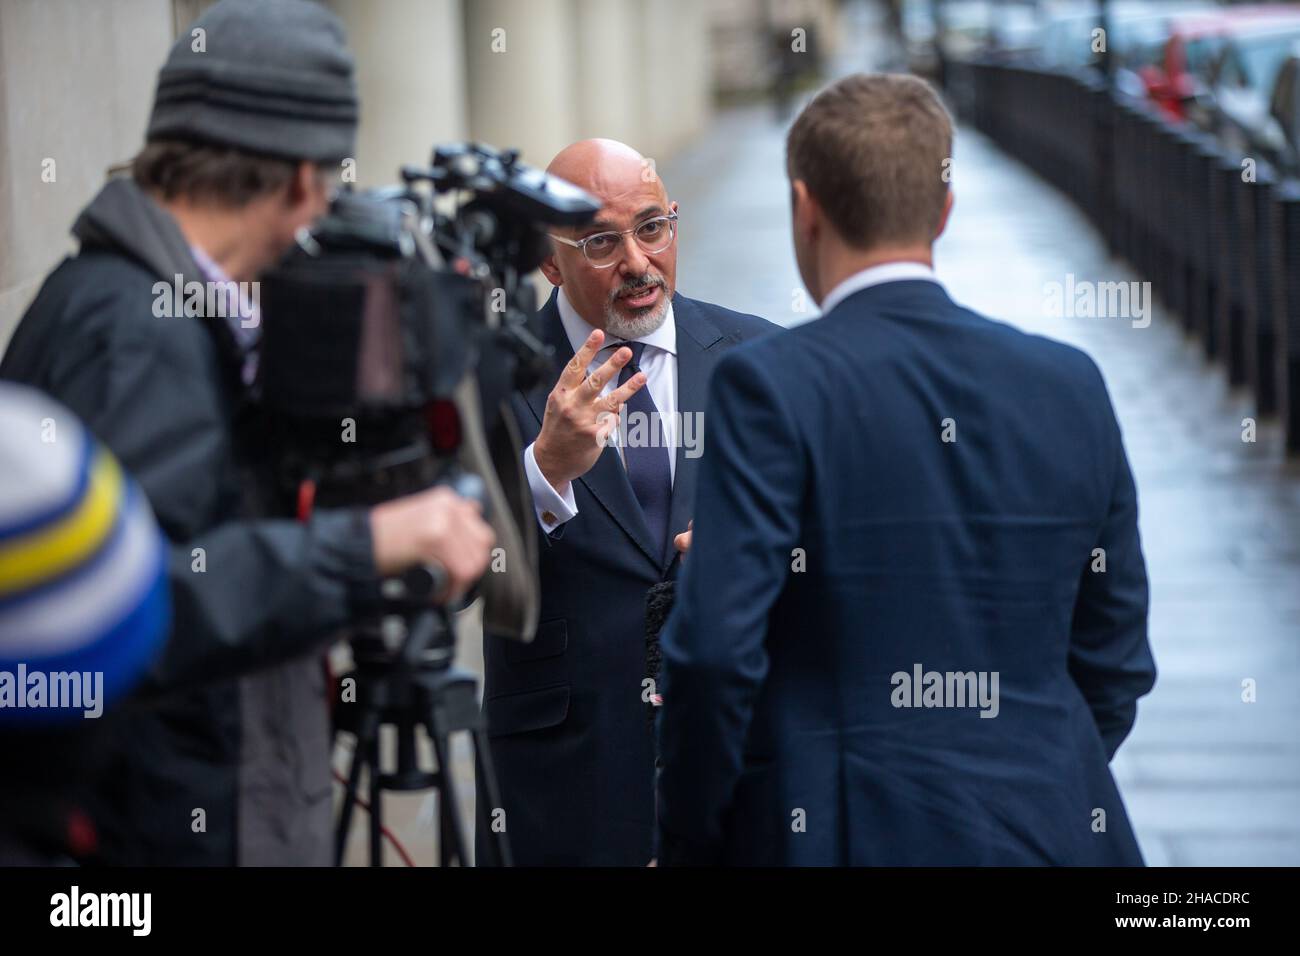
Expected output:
(1136, 29)
(1136, 40)
(1243, 80)
(1180, 74)
(1282, 138)
(1180, 81)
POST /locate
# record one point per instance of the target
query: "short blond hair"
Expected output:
(871, 149)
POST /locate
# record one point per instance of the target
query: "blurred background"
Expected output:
(1149, 146)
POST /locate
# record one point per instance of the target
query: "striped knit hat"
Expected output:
(84, 605)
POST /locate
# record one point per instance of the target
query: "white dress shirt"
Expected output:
(658, 361)
(875, 275)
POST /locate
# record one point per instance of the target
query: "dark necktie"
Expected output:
(646, 455)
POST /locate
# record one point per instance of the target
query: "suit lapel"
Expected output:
(550, 330)
(696, 357)
(607, 479)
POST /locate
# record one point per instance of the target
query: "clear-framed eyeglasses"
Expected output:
(653, 236)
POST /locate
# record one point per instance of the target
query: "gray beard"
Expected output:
(620, 326)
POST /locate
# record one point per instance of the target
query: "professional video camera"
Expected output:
(392, 340)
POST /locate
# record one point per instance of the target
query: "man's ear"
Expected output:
(947, 211)
(308, 184)
(551, 270)
(805, 211)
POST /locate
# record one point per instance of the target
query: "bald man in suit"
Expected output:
(612, 453)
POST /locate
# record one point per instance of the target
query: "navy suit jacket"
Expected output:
(569, 731)
(840, 541)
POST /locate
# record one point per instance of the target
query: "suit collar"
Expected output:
(877, 275)
(551, 330)
(694, 323)
(905, 295)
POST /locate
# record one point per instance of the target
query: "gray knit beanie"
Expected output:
(267, 76)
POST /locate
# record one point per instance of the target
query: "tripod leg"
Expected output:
(376, 804)
(446, 835)
(498, 847)
(451, 836)
(367, 727)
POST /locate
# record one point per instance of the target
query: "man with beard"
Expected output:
(612, 455)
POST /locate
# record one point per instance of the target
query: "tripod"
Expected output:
(417, 687)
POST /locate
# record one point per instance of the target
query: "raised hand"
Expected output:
(578, 420)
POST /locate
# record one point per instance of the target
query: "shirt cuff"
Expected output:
(553, 509)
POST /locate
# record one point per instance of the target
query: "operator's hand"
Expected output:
(438, 527)
(578, 420)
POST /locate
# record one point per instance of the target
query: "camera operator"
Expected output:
(226, 759)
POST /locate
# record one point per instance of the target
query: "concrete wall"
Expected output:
(411, 79)
(522, 84)
(547, 72)
(676, 95)
(608, 70)
(76, 81)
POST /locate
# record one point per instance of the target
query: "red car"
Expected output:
(1179, 73)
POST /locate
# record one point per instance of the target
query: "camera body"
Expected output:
(393, 338)
(388, 303)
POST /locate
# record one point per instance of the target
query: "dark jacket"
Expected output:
(567, 713)
(840, 541)
(225, 755)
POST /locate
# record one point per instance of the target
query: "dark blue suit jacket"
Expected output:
(568, 724)
(780, 737)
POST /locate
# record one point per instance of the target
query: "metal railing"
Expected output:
(1218, 236)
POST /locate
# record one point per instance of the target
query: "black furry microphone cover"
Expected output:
(658, 602)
